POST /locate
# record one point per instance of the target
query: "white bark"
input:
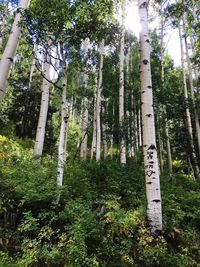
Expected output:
(83, 152)
(121, 92)
(169, 153)
(154, 208)
(40, 134)
(3, 23)
(64, 118)
(33, 65)
(99, 90)
(94, 134)
(188, 116)
(11, 48)
(104, 134)
(196, 116)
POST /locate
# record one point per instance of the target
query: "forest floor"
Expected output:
(100, 220)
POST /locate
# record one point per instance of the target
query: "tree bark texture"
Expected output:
(121, 92)
(188, 115)
(40, 134)
(154, 207)
(98, 107)
(11, 48)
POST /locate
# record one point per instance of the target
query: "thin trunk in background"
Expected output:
(4, 21)
(40, 133)
(98, 107)
(33, 65)
(94, 134)
(83, 152)
(11, 48)
(121, 92)
(190, 72)
(154, 207)
(188, 116)
(63, 128)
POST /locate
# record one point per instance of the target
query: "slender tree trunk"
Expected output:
(94, 135)
(121, 93)
(83, 153)
(196, 116)
(99, 90)
(169, 153)
(160, 144)
(3, 24)
(33, 65)
(154, 208)
(11, 48)
(112, 134)
(40, 134)
(104, 133)
(188, 116)
(64, 120)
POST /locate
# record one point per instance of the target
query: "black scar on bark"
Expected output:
(147, 40)
(149, 86)
(149, 182)
(151, 162)
(10, 58)
(143, 92)
(148, 115)
(156, 200)
(152, 147)
(145, 61)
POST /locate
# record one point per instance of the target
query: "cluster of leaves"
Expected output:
(100, 220)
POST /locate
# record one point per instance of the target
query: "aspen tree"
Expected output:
(83, 152)
(121, 90)
(154, 207)
(3, 23)
(40, 133)
(166, 125)
(194, 163)
(11, 48)
(63, 128)
(190, 72)
(98, 105)
(94, 134)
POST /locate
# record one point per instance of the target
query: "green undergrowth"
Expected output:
(100, 221)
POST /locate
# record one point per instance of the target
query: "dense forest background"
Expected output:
(95, 170)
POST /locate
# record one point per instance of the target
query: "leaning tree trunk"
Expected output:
(83, 152)
(121, 93)
(63, 126)
(154, 207)
(98, 105)
(188, 115)
(11, 48)
(40, 134)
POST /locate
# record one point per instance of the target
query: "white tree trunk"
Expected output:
(94, 134)
(99, 90)
(121, 93)
(188, 116)
(11, 48)
(64, 119)
(190, 72)
(3, 23)
(33, 65)
(40, 134)
(104, 134)
(169, 153)
(83, 152)
(154, 207)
